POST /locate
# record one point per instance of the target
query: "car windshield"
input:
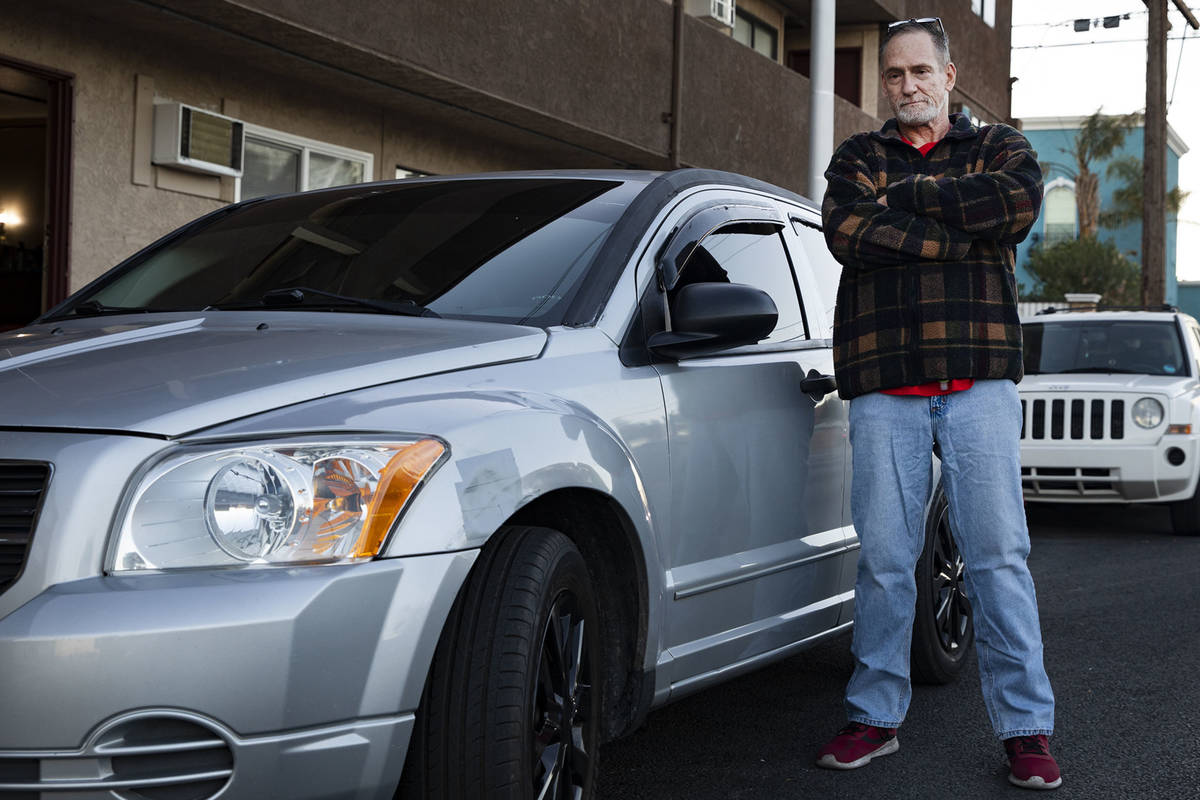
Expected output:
(1144, 348)
(499, 249)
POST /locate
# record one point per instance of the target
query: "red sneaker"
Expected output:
(855, 746)
(1030, 764)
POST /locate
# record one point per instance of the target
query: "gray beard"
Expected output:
(922, 114)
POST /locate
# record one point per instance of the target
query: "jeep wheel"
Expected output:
(943, 629)
(1185, 515)
(508, 709)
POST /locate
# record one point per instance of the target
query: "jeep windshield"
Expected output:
(500, 249)
(1104, 346)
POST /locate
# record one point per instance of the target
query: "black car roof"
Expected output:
(618, 248)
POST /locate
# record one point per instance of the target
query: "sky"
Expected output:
(1065, 73)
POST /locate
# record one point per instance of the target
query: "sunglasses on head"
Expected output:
(925, 21)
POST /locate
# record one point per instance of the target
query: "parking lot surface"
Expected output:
(1120, 604)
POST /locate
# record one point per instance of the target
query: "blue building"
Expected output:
(1189, 297)
(1053, 137)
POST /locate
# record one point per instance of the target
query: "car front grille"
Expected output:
(1081, 419)
(22, 484)
(151, 757)
(1095, 482)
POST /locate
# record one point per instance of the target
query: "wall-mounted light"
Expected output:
(7, 218)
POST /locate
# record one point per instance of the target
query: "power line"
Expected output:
(1094, 41)
(1178, 62)
(1071, 21)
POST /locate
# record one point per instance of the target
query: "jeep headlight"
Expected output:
(1147, 413)
(270, 504)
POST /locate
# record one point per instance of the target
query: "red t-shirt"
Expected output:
(933, 388)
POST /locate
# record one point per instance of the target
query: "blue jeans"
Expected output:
(978, 431)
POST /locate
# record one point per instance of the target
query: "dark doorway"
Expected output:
(35, 185)
(847, 71)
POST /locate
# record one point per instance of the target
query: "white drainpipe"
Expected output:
(820, 116)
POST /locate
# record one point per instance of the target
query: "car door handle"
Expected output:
(816, 385)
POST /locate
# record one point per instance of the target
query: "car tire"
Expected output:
(509, 706)
(944, 629)
(1185, 515)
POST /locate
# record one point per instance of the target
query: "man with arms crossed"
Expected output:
(924, 215)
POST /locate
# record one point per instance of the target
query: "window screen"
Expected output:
(269, 168)
(326, 170)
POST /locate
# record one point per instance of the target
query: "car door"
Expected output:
(812, 258)
(755, 542)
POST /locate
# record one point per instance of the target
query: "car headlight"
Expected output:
(271, 504)
(1147, 413)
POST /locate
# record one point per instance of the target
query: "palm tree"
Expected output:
(1098, 137)
(1127, 197)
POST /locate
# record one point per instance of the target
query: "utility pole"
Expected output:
(1154, 158)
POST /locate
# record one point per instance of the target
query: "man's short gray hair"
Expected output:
(935, 31)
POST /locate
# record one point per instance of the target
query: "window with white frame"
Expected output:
(1059, 212)
(275, 162)
(985, 9)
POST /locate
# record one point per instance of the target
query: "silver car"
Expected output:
(425, 487)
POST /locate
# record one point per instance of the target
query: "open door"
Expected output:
(35, 189)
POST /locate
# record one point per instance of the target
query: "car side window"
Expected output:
(1196, 336)
(755, 260)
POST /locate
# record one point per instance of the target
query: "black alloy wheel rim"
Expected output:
(951, 608)
(562, 705)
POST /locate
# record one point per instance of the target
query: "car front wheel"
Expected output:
(943, 629)
(509, 709)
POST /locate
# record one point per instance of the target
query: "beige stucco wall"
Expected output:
(110, 216)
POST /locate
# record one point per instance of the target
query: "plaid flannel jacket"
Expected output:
(927, 291)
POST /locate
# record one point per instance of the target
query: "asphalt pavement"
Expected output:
(1120, 604)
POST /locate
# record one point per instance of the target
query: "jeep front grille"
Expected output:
(22, 484)
(1078, 418)
(1069, 482)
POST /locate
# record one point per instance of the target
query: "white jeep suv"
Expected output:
(1111, 403)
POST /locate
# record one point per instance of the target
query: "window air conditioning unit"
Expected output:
(721, 13)
(197, 140)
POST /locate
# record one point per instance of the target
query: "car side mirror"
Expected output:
(709, 317)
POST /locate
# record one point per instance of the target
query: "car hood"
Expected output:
(1103, 382)
(171, 374)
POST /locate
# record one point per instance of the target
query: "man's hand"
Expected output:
(999, 203)
(865, 236)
